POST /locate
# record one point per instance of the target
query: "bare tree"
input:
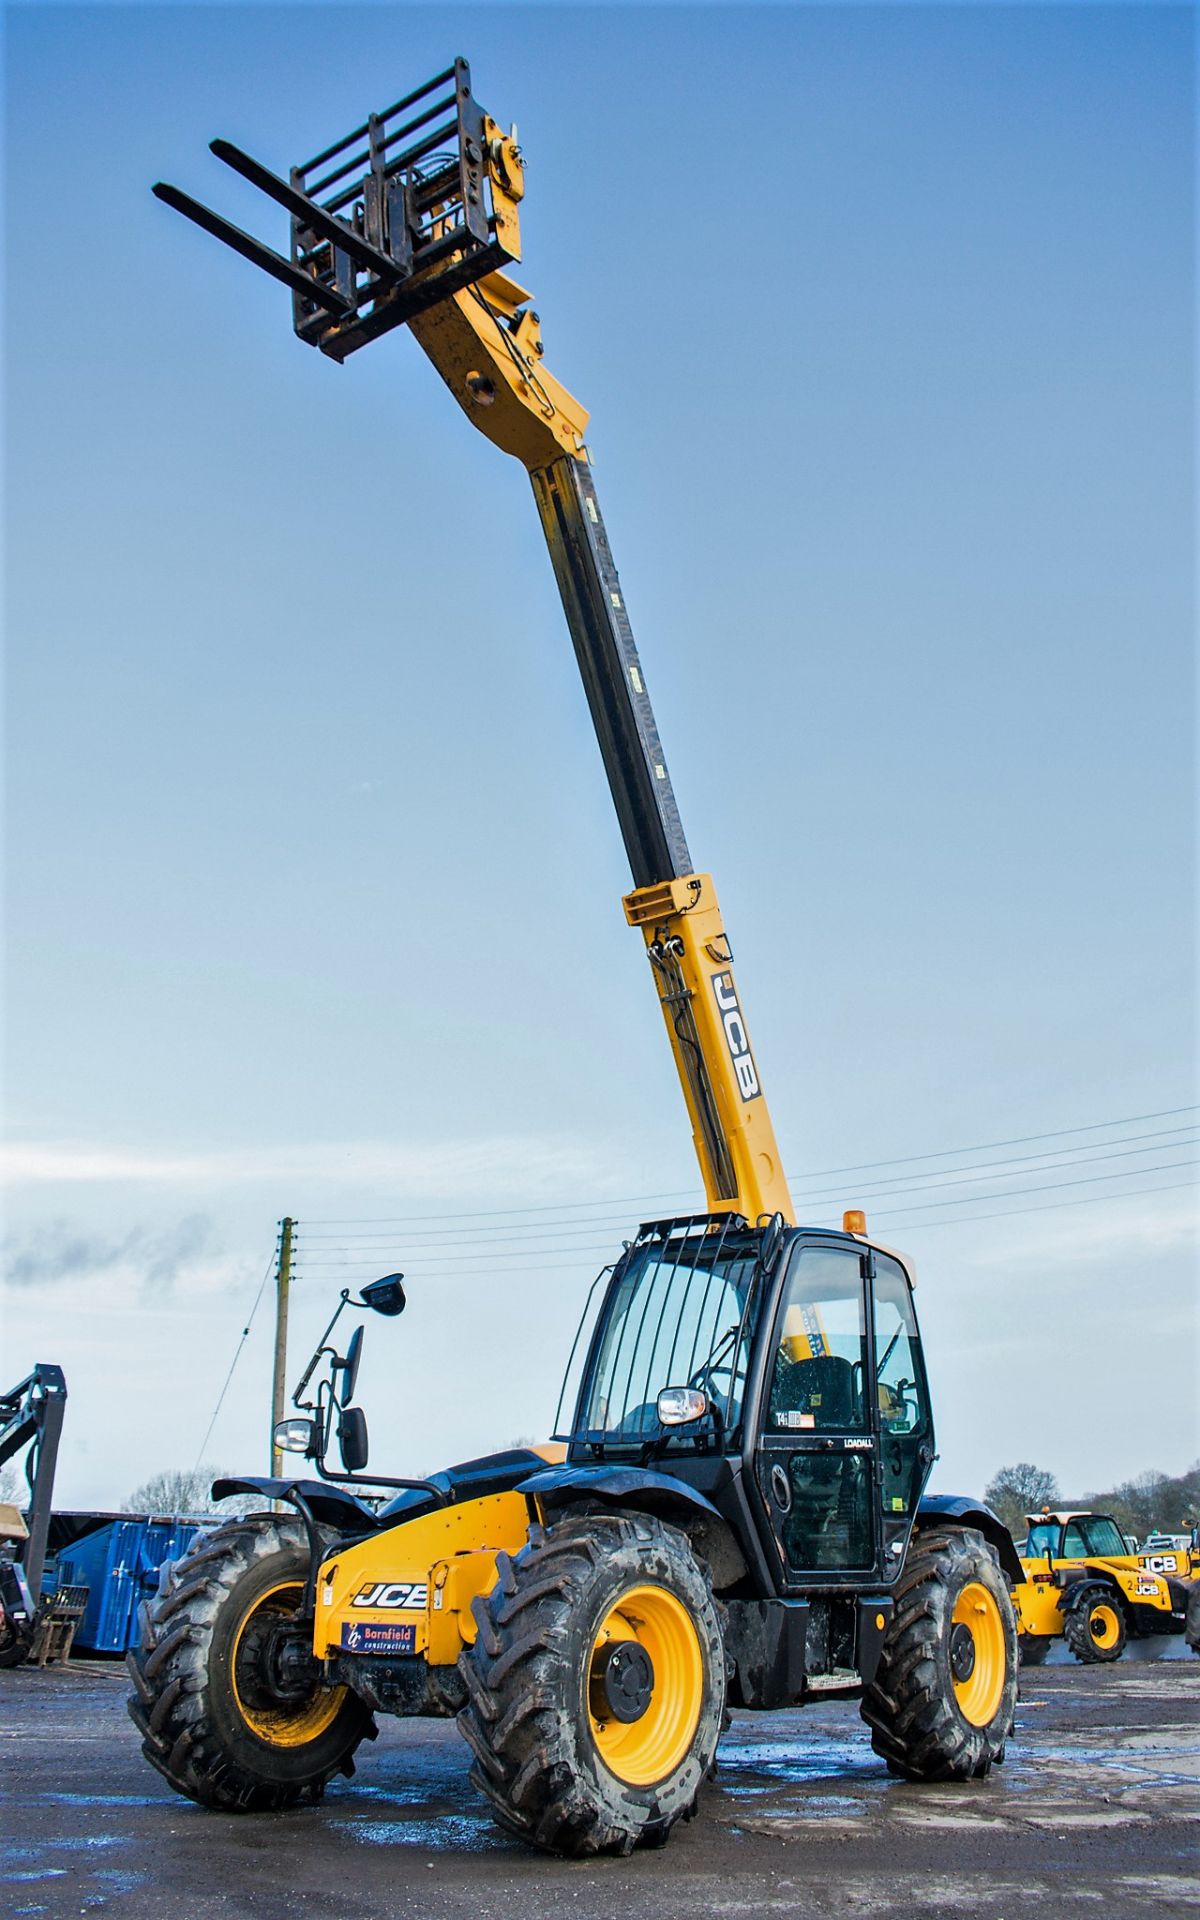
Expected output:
(183, 1490)
(1016, 1491)
(1154, 1502)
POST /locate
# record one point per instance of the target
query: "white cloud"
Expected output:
(509, 1168)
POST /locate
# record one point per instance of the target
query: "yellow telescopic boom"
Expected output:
(412, 220)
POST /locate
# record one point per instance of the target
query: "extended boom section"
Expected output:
(412, 220)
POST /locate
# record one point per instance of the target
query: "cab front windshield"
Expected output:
(1043, 1539)
(677, 1317)
(1104, 1537)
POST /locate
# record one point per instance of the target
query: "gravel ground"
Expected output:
(1094, 1810)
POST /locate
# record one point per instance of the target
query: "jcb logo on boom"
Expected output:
(390, 1594)
(735, 1036)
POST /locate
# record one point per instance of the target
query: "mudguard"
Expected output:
(330, 1506)
(1080, 1593)
(964, 1512)
(649, 1492)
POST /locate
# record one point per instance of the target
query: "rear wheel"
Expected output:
(1033, 1648)
(1095, 1631)
(233, 1710)
(941, 1704)
(15, 1641)
(596, 1685)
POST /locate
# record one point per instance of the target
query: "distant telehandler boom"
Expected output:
(735, 1513)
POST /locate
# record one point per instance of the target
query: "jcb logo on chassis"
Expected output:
(735, 1036)
(389, 1594)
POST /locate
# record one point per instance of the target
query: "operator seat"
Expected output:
(823, 1387)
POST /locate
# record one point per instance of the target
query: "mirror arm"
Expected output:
(321, 1348)
(441, 1497)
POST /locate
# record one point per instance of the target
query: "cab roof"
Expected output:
(1062, 1514)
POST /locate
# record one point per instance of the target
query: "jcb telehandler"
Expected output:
(734, 1512)
(1086, 1583)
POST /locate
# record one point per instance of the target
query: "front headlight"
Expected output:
(296, 1436)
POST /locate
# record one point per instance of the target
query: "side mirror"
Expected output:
(679, 1406)
(352, 1439)
(385, 1296)
(348, 1368)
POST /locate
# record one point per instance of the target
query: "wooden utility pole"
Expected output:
(283, 1281)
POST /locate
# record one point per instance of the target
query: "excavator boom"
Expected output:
(413, 220)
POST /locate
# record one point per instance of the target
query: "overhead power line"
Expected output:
(1051, 1206)
(1099, 1154)
(563, 1263)
(820, 1173)
(515, 1258)
(237, 1354)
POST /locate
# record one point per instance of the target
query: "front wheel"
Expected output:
(233, 1710)
(1095, 1631)
(941, 1704)
(596, 1685)
(1191, 1629)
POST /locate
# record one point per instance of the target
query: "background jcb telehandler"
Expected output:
(735, 1510)
(1084, 1581)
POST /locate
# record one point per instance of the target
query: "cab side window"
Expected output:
(899, 1383)
(900, 1392)
(1074, 1544)
(817, 1382)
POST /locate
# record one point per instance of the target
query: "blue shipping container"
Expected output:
(119, 1564)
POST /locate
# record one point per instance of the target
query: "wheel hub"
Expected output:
(962, 1651)
(276, 1667)
(626, 1680)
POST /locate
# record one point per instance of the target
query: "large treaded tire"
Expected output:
(1191, 1629)
(527, 1719)
(14, 1645)
(185, 1705)
(1080, 1638)
(911, 1707)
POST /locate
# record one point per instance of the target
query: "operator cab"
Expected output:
(779, 1372)
(1075, 1536)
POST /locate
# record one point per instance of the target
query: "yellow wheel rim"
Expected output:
(284, 1723)
(650, 1747)
(1103, 1625)
(980, 1691)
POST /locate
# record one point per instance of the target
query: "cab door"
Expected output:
(816, 1456)
(901, 1398)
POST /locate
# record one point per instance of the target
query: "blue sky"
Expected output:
(885, 322)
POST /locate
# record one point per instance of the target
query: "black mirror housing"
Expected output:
(352, 1439)
(348, 1367)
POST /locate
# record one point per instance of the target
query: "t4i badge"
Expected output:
(368, 1636)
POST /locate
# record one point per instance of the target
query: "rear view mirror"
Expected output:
(348, 1368)
(352, 1439)
(385, 1296)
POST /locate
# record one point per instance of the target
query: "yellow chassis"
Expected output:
(409, 1590)
(1037, 1599)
